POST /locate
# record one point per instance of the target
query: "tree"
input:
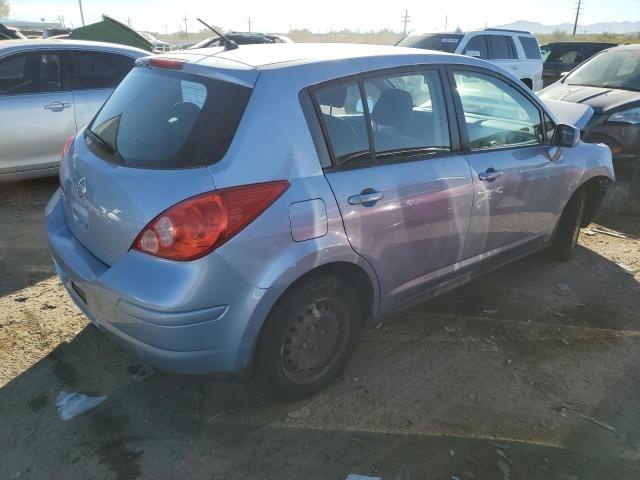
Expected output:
(4, 8)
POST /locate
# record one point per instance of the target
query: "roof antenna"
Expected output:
(228, 44)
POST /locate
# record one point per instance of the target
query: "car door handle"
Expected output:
(57, 106)
(367, 197)
(490, 175)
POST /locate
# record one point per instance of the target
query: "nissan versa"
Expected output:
(251, 208)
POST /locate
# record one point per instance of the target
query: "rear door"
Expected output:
(562, 59)
(94, 77)
(516, 183)
(36, 106)
(402, 187)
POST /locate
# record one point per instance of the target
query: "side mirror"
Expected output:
(472, 53)
(566, 136)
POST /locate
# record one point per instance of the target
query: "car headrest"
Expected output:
(393, 108)
(333, 97)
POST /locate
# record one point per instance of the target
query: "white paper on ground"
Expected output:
(73, 404)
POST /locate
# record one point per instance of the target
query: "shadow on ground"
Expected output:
(456, 387)
(24, 255)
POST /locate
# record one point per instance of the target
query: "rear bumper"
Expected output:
(184, 317)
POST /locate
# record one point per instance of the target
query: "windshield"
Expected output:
(432, 41)
(167, 119)
(616, 69)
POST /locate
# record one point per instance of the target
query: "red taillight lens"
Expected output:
(164, 62)
(65, 148)
(200, 224)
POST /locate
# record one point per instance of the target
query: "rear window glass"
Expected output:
(444, 43)
(531, 48)
(166, 119)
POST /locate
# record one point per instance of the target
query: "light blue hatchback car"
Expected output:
(252, 208)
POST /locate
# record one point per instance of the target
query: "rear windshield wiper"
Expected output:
(106, 146)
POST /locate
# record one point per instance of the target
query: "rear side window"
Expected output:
(477, 47)
(93, 70)
(30, 73)
(403, 114)
(165, 119)
(501, 47)
(443, 42)
(530, 47)
(565, 55)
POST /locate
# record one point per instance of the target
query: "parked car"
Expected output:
(10, 33)
(48, 90)
(242, 38)
(609, 82)
(342, 182)
(514, 50)
(56, 32)
(562, 57)
(159, 46)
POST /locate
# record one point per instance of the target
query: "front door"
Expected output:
(515, 180)
(404, 194)
(37, 110)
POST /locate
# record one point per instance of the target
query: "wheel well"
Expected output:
(353, 273)
(528, 82)
(596, 189)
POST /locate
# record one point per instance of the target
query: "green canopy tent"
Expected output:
(110, 30)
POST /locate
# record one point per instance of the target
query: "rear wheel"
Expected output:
(308, 337)
(568, 231)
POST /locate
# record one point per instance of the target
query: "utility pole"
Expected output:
(575, 25)
(405, 19)
(186, 32)
(249, 23)
(128, 21)
(81, 12)
(446, 22)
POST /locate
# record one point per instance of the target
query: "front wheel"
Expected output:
(568, 230)
(308, 337)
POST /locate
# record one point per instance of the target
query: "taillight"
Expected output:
(65, 148)
(165, 62)
(200, 224)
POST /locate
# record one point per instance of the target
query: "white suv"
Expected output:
(514, 50)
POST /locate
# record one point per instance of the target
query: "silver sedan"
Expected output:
(49, 89)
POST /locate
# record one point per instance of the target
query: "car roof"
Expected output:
(578, 43)
(631, 47)
(270, 55)
(65, 44)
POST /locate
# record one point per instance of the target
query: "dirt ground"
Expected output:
(532, 372)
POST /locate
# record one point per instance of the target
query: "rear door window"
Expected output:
(95, 70)
(404, 116)
(31, 73)
(565, 55)
(530, 47)
(501, 47)
(165, 119)
(477, 47)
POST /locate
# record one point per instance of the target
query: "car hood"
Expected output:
(602, 100)
(570, 113)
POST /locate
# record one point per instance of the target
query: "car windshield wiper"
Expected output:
(106, 146)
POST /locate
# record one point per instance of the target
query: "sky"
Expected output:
(363, 15)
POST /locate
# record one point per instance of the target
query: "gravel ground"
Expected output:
(528, 373)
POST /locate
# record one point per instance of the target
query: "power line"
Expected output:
(405, 19)
(575, 25)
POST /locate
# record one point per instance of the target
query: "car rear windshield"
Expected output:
(531, 48)
(167, 119)
(442, 42)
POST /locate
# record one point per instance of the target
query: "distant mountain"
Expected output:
(611, 27)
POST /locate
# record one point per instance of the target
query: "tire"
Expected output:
(568, 230)
(308, 337)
